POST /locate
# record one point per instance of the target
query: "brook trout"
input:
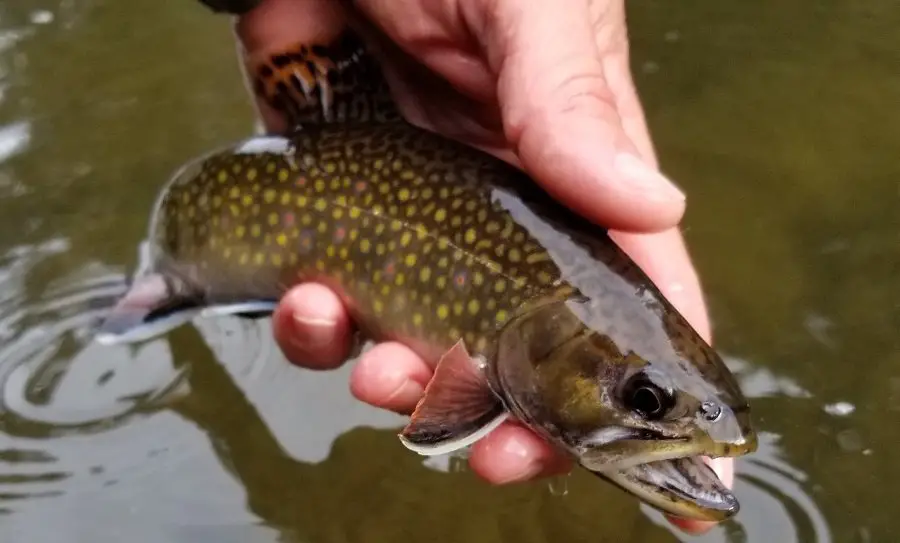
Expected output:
(528, 310)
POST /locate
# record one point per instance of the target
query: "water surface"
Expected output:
(778, 118)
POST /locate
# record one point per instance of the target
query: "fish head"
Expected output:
(636, 413)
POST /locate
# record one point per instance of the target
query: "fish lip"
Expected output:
(684, 487)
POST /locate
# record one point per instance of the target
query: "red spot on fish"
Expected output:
(390, 268)
(340, 233)
(360, 186)
(288, 219)
(460, 278)
(300, 182)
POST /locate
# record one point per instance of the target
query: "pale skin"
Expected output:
(497, 75)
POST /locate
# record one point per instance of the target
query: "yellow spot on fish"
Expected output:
(365, 246)
(443, 311)
(349, 264)
(417, 319)
(537, 257)
(251, 174)
(320, 185)
(473, 307)
(269, 196)
(427, 193)
(321, 204)
(440, 215)
(410, 260)
(283, 175)
(354, 212)
(424, 274)
(322, 227)
(273, 219)
(276, 259)
(216, 201)
(281, 239)
(441, 282)
(240, 230)
(544, 277)
(456, 221)
(301, 201)
(377, 305)
(470, 236)
(499, 285)
(411, 210)
(254, 230)
(514, 255)
(244, 258)
(456, 203)
(399, 279)
(234, 193)
(405, 238)
(259, 258)
(457, 308)
(403, 194)
(247, 200)
(501, 315)
(492, 227)
(337, 213)
(330, 167)
(477, 279)
(223, 176)
(329, 251)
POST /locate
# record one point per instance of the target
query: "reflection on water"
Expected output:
(781, 133)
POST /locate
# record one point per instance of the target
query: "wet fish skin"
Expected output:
(464, 259)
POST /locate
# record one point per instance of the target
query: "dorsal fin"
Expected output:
(314, 83)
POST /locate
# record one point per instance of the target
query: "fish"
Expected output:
(527, 311)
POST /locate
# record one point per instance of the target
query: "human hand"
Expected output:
(546, 89)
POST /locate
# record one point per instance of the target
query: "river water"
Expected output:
(779, 118)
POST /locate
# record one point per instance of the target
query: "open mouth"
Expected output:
(684, 487)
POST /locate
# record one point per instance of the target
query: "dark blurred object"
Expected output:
(234, 7)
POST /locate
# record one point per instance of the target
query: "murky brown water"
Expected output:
(779, 117)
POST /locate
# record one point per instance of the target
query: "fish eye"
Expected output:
(710, 411)
(647, 398)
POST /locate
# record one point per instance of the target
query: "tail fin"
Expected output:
(150, 308)
(325, 83)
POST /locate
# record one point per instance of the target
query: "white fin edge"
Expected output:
(149, 330)
(263, 144)
(234, 309)
(450, 446)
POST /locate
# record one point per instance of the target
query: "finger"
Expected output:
(390, 376)
(664, 258)
(560, 115)
(724, 468)
(512, 453)
(312, 328)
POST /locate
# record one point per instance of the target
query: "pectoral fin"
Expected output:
(150, 308)
(458, 407)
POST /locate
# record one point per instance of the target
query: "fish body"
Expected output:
(528, 310)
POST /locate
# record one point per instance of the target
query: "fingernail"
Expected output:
(311, 333)
(645, 179)
(523, 455)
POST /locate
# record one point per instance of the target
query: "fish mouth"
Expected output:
(684, 487)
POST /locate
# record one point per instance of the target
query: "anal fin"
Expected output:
(457, 409)
(250, 310)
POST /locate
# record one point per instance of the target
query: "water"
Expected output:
(778, 117)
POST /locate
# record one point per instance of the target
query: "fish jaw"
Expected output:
(683, 487)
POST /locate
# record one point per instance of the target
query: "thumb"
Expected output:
(561, 116)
